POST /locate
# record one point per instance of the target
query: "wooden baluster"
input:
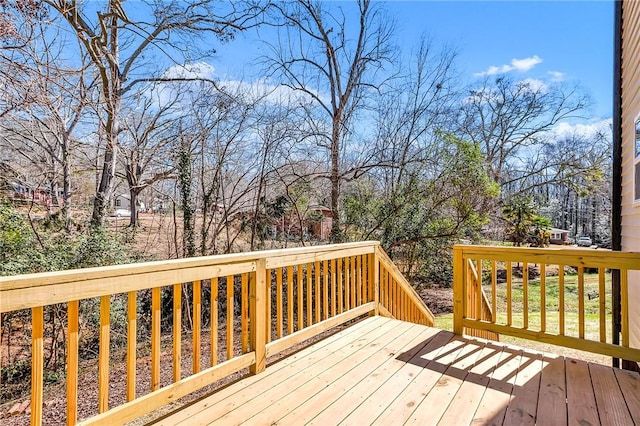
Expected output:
(317, 291)
(601, 299)
(334, 291)
(509, 294)
(352, 264)
(396, 296)
(132, 314)
(300, 307)
(479, 300)
(244, 312)
(340, 285)
(581, 302)
(543, 298)
(471, 292)
(624, 306)
(359, 280)
(383, 289)
(177, 331)
(230, 308)
(387, 279)
(346, 283)
(309, 279)
(103, 354)
(325, 288)
(214, 322)
(400, 294)
(290, 299)
(561, 299)
(390, 291)
(197, 316)
(374, 272)
(72, 363)
(391, 306)
(279, 303)
(494, 292)
(525, 295)
(268, 305)
(365, 278)
(155, 338)
(37, 364)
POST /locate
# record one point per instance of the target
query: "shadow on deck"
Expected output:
(384, 371)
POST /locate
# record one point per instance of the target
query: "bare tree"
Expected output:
(413, 113)
(150, 136)
(511, 121)
(121, 46)
(334, 69)
(41, 127)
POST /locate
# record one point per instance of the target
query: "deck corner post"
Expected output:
(458, 290)
(257, 317)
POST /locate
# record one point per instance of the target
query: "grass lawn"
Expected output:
(552, 303)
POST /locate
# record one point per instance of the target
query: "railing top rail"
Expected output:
(79, 275)
(559, 255)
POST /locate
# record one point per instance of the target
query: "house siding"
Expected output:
(630, 220)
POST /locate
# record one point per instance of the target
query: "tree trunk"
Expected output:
(336, 232)
(133, 194)
(112, 94)
(66, 189)
(594, 216)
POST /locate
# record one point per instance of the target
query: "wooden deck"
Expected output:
(389, 372)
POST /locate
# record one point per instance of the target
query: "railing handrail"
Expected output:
(47, 288)
(58, 277)
(555, 255)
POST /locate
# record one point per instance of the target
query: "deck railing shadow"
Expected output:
(521, 386)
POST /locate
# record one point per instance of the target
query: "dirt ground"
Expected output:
(438, 299)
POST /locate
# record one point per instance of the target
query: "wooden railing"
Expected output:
(477, 304)
(398, 299)
(545, 295)
(260, 303)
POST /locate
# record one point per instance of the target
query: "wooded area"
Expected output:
(114, 103)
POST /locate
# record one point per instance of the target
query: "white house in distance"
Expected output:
(559, 236)
(123, 202)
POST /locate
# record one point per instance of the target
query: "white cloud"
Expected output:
(261, 88)
(264, 89)
(556, 75)
(588, 131)
(521, 65)
(534, 85)
(195, 70)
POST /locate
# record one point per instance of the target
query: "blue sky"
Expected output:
(570, 40)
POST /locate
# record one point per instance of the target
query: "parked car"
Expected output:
(121, 213)
(584, 241)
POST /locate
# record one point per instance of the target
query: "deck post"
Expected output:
(374, 263)
(257, 317)
(458, 290)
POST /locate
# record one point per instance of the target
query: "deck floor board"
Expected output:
(387, 372)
